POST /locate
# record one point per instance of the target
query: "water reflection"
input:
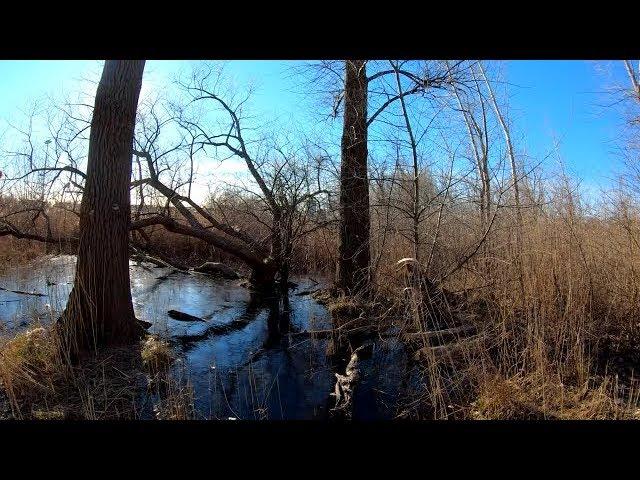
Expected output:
(250, 359)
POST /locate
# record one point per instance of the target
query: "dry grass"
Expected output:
(535, 398)
(157, 354)
(40, 386)
(177, 402)
(560, 323)
(344, 308)
(16, 252)
(175, 394)
(560, 318)
(29, 367)
(109, 385)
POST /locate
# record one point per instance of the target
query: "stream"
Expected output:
(247, 361)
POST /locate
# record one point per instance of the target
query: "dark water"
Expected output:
(250, 359)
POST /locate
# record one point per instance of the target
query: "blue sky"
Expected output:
(547, 100)
(569, 101)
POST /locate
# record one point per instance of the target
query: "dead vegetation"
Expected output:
(567, 348)
(157, 355)
(551, 333)
(39, 385)
(516, 294)
(118, 383)
(540, 398)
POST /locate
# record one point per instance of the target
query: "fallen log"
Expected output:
(315, 333)
(172, 272)
(140, 257)
(217, 269)
(155, 256)
(340, 331)
(305, 293)
(20, 292)
(184, 317)
(452, 350)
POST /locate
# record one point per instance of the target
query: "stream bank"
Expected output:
(251, 358)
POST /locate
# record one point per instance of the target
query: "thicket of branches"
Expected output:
(439, 153)
(552, 271)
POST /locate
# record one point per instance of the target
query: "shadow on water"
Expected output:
(249, 359)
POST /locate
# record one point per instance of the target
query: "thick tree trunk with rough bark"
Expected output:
(353, 267)
(100, 310)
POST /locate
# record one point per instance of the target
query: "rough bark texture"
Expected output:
(353, 266)
(100, 310)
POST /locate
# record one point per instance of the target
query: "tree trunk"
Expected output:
(100, 310)
(416, 170)
(510, 151)
(632, 77)
(262, 278)
(281, 248)
(277, 251)
(353, 267)
(514, 176)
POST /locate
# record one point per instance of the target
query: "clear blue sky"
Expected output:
(547, 98)
(569, 101)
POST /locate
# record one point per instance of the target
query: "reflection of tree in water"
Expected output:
(278, 321)
(300, 368)
(275, 382)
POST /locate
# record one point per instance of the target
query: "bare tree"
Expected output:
(285, 184)
(510, 150)
(515, 179)
(477, 131)
(633, 76)
(286, 194)
(356, 95)
(416, 171)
